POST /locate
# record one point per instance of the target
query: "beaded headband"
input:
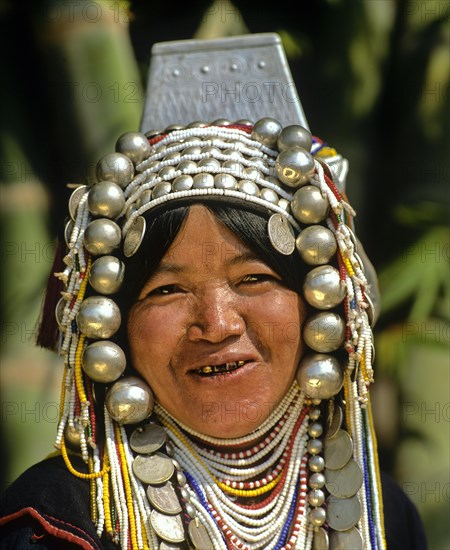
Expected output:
(286, 173)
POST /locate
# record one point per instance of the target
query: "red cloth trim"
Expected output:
(51, 529)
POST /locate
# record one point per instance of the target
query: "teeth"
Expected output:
(225, 367)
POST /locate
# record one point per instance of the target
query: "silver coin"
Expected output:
(320, 540)
(335, 422)
(74, 200)
(342, 540)
(199, 536)
(337, 450)
(171, 546)
(68, 230)
(148, 439)
(343, 513)
(169, 528)
(134, 237)
(164, 498)
(153, 469)
(59, 312)
(346, 481)
(281, 234)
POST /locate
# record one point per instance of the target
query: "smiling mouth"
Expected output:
(214, 370)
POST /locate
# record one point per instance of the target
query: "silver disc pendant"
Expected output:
(320, 540)
(199, 536)
(342, 540)
(148, 439)
(346, 481)
(335, 422)
(337, 450)
(171, 546)
(343, 513)
(75, 199)
(153, 469)
(169, 528)
(134, 237)
(164, 498)
(281, 234)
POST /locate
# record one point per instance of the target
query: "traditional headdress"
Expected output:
(315, 457)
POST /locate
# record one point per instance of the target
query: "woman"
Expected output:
(220, 398)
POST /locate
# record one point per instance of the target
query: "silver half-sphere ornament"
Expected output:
(72, 435)
(324, 332)
(104, 361)
(316, 245)
(266, 131)
(323, 287)
(294, 136)
(134, 145)
(102, 236)
(320, 376)
(308, 205)
(294, 166)
(99, 317)
(115, 167)
(106, 199)
(129, 400)
(106, 274)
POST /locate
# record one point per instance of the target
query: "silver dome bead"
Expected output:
(103, 361)
(102, 237)
(115, 167)
(308, 205)
(152, 133)
(225, 181)
(221, 122)
(316, 480)
(251, 172)
(209, 164)
(134, 145)
(151, 166)
(294, 166)
(294, 136)
(316, 463)
(160, 149)
(130, 211)
(235, 166)
(324, 332)
(191, 150)
(314, 414)
(284, 204)
(244, 122)
(173, 127)
(249, 187)
(316, 245)
(211, 150)
(258, 162)
(167, 172)
(181, 478)
(266, 131)
(98, 317)
(314, 446)
(129, 400)
(182, 183)
(187, 165)
(106, 199)
(197, 124)
(320, 376)
(203, 181)
(315, 429)
(162, 188)
(144, 198)
(323, 288)
(232, 154)
(316, 497)
(269, 195)
(173, 156)
(317, 516)
(106, 274)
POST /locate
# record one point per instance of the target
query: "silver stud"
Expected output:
(225, 181)
(233, 154)
(211, 150)
(129, 400)
(191, 150)
(115, 167)
(324, 332)
(221, 122)
(130, 211)
(106, 274)
(106, 199)
(103, 361)
(266, 131)
(248, 187)
(251, 172)
(308, 205)
(269, 195)
(294, 136)
(294, 166)
(134, 145)
(167, 172)
(182, 183)
(244, 122)
(284, 204)
(323, 287)
(203, 181)
(197, 124)
(186, 165)
(98, 317)
(209, 164)
(102, 237)
(316, 245)
(144, 198)
(173, 127)
(162, 188)
(320, 376)
(152, 133)
(175, 156)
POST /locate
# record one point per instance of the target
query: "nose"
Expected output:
(216, 317)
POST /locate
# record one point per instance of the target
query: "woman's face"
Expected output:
(215, 332)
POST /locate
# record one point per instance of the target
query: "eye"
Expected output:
(253, 278)
(165, 290)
